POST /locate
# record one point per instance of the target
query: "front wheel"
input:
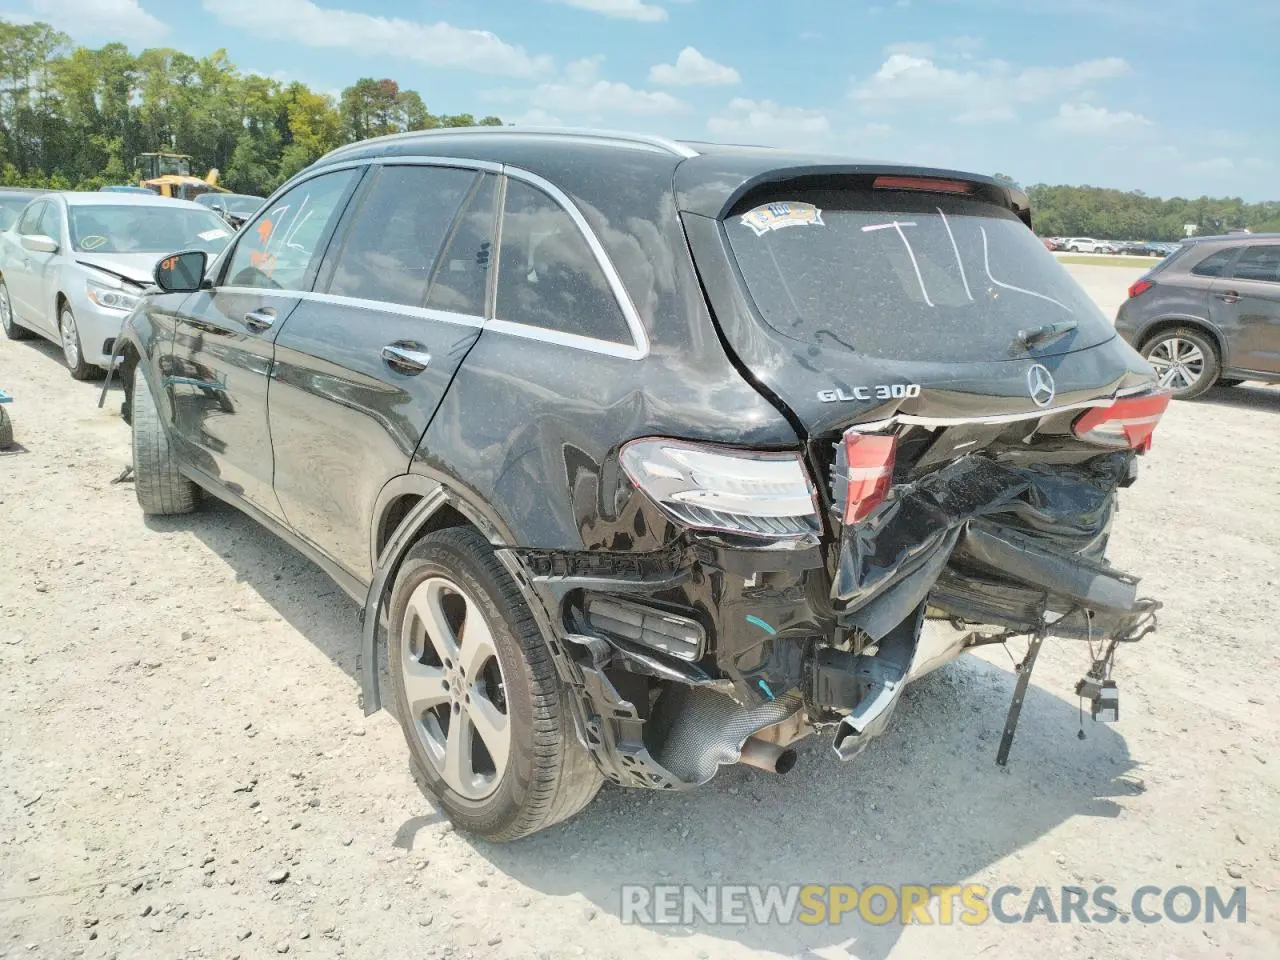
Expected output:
(1185, 361)
(477, 696)
(161, 490)
(69, 335)
(12, 328)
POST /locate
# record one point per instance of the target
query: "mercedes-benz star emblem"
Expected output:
(1040, 383)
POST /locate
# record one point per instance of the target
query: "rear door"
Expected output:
(224, 337)
(1248, 311)
(363, 362)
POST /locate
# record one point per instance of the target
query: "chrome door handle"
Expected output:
(406, 358)
(1230, 297)
(260, 319)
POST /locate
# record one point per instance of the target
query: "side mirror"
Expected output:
(181, 272)
(38, 243)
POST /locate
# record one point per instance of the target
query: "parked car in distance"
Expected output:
(73, 264)
(12, 200)
(1087, 245)
(1209, 313)
(651, 456)
(235, 208)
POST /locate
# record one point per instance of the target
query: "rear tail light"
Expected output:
(720, 488)
(1129, 422)
(1140, 287)
(928, 184)
(866, 462)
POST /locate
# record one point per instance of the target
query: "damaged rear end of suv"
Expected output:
(965, 417)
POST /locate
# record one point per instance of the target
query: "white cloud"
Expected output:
(906, 77)
(111, 18)
(440, 44)
(621, 9)
(599, 98)
(1256, 163)
(1083, 119)
(992, 114)
(769, 122)
(691, 67)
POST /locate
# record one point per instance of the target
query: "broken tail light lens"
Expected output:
(1129, 422)
(721, 488)
(867, 461)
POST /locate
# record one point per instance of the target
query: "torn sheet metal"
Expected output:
(997, 541)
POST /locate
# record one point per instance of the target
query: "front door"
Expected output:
(1248, 310)
(362, 364)
(219, 370)
(26, 280)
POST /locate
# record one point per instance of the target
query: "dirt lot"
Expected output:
(180, 728)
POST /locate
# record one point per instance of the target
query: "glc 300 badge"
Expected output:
(881, 391)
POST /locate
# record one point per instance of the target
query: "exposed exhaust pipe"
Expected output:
(767, 756)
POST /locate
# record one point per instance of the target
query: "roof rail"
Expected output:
(673, 147)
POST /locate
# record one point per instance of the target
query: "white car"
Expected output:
(1087, 245)
(72, 266)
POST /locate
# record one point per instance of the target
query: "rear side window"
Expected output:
(278, 250)
(461, 280)
(548, 276)
(397, 234)
(905, 276)
(1215, 265)
(1259, 263)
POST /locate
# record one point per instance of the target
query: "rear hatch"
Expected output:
(924, 308)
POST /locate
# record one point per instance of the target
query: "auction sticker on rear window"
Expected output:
(775, 216)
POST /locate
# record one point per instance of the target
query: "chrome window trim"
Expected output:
(381, 306)
(652, 141)
(638, 349)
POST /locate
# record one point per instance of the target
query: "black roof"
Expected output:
(708, 178)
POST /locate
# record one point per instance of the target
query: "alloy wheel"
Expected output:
(70, 338)
(1177, 362)
(454, 688)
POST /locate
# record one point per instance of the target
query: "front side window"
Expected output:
(144, 228)
(548, 277)
(1259, 263)
(30, 224)
(278, 250)
(397, 233)
(51, 222)
(1214, 265)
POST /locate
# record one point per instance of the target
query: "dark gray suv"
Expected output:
(1209, 313)
(645, 457)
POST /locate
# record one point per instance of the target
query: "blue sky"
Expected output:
(1167, 96)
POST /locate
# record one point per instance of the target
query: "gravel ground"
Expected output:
(185, 771)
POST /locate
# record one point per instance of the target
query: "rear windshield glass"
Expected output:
(906, 276)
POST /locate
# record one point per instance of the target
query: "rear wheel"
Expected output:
(69, 335)
(161, 490)
(477, 696)
(1185, 361)
(12, 329)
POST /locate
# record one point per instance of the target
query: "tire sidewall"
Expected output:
(430, 558)
(1212, 365)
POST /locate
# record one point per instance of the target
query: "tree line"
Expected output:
(77, 118)
(1063, 211)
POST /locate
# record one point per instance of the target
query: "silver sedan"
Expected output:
(73, 264)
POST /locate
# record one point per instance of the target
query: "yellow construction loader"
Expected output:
(169, 174)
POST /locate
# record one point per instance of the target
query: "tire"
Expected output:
(12, 329)
(6, 429)
(1185, 359)
(161, 490)
(72, 351)
(547, 775)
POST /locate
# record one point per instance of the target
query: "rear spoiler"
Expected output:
(1000, 192)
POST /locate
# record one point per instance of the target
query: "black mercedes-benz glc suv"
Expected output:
(645, 457)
